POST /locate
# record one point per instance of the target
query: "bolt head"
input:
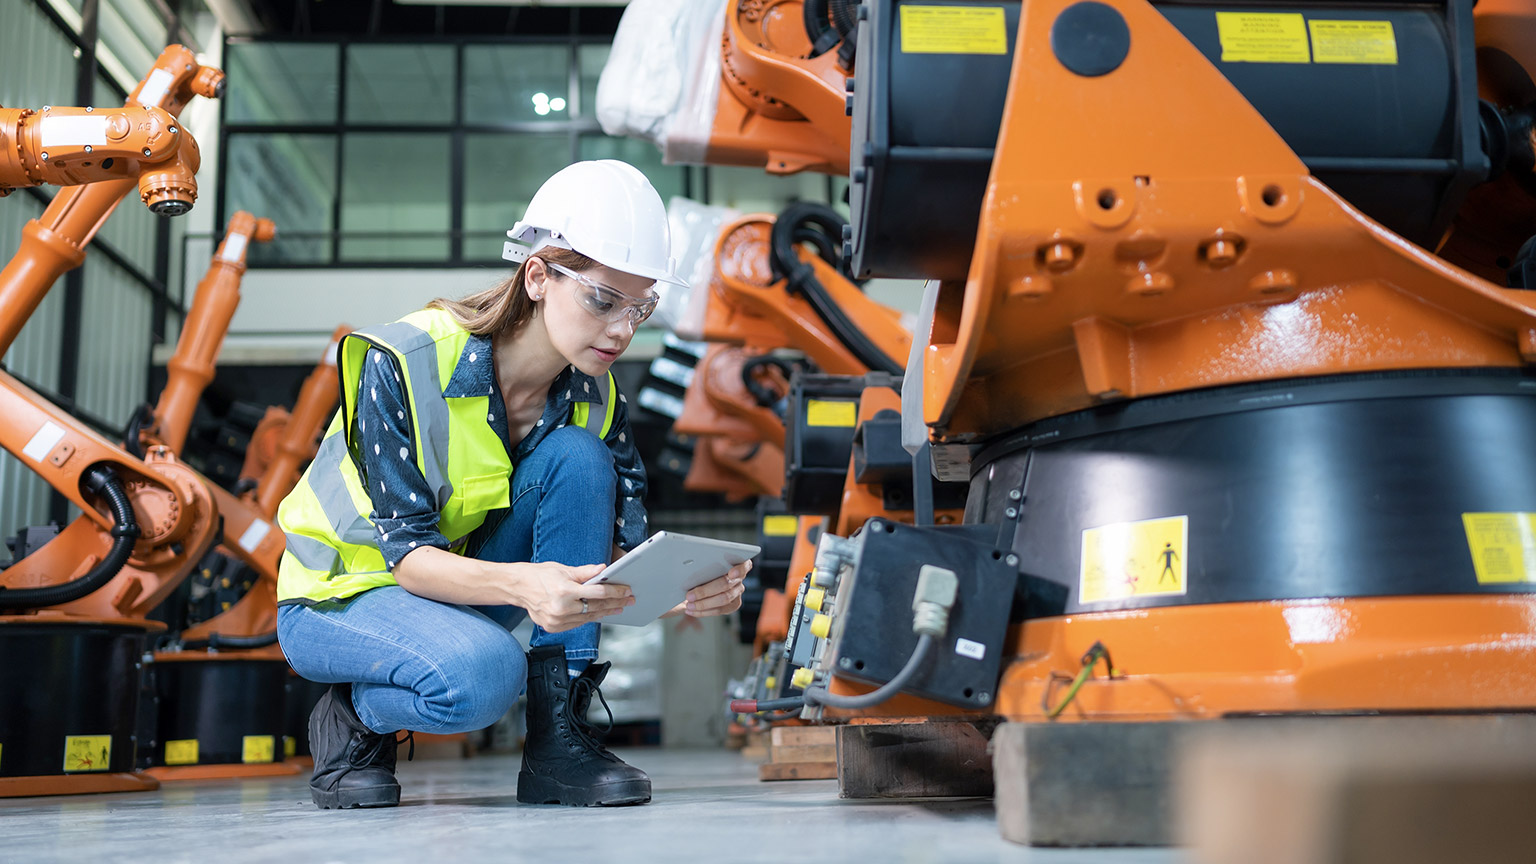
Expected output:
(1012, 512)
(845, 663)
(1013, 560)
(1014, 495)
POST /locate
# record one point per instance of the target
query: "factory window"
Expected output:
(290, 179)
(407, 85)
(506, 84)
(395, 197)
(590, 60)
(281, 83)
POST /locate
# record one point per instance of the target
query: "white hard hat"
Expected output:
(604, 209)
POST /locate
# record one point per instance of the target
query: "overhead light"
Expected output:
(541, 109)
(557, 104)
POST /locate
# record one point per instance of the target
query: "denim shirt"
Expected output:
(404, 510)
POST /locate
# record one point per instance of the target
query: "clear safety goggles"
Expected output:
(609, 304)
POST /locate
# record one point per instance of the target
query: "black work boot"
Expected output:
(354, 766)
(563, 760)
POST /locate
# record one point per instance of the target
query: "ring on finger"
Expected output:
(583, 605)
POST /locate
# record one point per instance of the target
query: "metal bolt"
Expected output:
(1012, 512)
(983, 697)
(1221, 253)
(146, 151)
(1015, 495)
(846, 663)
(47, 107)
(87, 148)
(45, 157)
(173, 130)
(89, 109)
(1012, 559)
(1059, 257)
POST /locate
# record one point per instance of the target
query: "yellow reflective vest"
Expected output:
(332, 550)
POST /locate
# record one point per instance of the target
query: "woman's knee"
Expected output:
(476, 683)
(578, 456)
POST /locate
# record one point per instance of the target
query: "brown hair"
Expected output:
(504, 308)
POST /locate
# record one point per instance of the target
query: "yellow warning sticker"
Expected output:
(290, 747)
(181, 752)
(1503, 546)
(953, 30)
(87, 752)
(1370, 42)
(257, 748)
(780, 526)
(1134, 559)
(1262, 37)
(825, 412)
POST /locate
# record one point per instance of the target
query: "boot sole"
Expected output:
(532, 789)
(354, 799)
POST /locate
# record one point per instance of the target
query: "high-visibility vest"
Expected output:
(332, 550)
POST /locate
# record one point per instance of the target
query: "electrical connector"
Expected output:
(937, 589)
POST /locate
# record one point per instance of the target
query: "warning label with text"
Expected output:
(1262, 37)
(1503, 546)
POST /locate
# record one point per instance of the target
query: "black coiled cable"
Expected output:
(102, 481)
(818, 224)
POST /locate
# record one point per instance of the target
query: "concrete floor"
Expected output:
(708, 806)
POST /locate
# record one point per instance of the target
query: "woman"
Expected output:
(481, 468)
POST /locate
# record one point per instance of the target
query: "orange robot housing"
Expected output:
(1218, 399)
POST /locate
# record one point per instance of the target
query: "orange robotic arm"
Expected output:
(74, 146)
(144, 521)
(191, 367)
(781, 109)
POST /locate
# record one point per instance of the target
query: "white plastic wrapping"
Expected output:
(695, 231)
(662, 78)
(633, 686)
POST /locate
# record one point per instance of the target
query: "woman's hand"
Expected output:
(717, 597)
(553, 594)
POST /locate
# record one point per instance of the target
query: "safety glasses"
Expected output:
(608, 304)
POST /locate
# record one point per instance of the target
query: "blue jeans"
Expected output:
(426, 666)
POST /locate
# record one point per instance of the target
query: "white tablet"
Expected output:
(662, 569)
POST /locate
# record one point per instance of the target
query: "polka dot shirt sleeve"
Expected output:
(629, 520)
(404, 510)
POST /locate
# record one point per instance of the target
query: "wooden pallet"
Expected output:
(800, 753)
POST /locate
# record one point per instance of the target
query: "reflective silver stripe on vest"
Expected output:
(598, 411)
(331, 491)
(425, 399)
(313, 554)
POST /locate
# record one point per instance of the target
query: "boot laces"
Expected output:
(582, 691)
(368, 748)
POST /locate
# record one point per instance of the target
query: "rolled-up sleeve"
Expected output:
(629, 519)
(404, 509)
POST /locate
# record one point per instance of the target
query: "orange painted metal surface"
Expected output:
(183, 773)
(1412, 654)
(747, 306)
(779, 109)
(76, 784)
(1135, 251)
